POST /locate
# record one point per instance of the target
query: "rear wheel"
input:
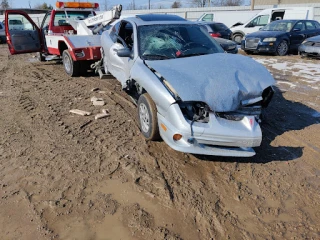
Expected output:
(282, 48)
(237, 37)
(147, 114)
(71, 67)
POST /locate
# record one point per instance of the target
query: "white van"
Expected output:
(268, 15)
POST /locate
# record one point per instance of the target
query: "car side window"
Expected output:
(259, 21)
(114, 32)
(300, 25)
(316, 24)
(1, 26)
(310, 25)
(126, 34)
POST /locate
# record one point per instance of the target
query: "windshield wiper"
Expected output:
(155, 56)
(192, 54)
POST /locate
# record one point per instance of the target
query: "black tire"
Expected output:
(40, 57)
(147, 117)
(282, 48)
(71, 67)
(237, 37)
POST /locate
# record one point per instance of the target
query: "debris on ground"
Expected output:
(80, 112)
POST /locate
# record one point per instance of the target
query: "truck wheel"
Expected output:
(282, 48)
(237, 37)
(71, 67)
(147, 114)
(40, 57)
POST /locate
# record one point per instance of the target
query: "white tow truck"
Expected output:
(70, 32)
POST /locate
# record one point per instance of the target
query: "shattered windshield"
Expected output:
(283, 26)
(167, 41)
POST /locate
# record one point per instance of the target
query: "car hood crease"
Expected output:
(220, 80)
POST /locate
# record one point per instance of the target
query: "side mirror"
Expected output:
(250, 25)
(296, 30)
(125, 52)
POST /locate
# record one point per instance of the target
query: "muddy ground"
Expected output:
(65, 176)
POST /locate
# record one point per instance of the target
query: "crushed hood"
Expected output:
(221, 80)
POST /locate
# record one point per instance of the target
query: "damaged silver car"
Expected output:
(199, 99)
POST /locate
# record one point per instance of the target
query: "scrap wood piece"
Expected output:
(80, 112)
(101, 115)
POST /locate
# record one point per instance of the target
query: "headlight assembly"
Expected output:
(195, 111)
(269, 39)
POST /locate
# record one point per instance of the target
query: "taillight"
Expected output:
(215, 34)
(79, 53)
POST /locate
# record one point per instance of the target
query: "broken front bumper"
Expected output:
(219, 136)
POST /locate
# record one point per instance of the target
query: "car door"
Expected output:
(26, 38)
(120, 67)
(297, 35)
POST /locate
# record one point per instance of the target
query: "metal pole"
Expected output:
(252, 5)
(149, 4)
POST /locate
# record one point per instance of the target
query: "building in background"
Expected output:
(276, 2)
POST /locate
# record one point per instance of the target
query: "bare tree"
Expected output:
(132, 6)
(227, 2)
(44, 6)
(176, 4)
(200, 3)
(4, 4)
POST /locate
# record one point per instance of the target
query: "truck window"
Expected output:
(46, 20)
(60, 18)
(261, 20)
(208, 17)
(19, 22)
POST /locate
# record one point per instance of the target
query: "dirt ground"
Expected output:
(65, 176)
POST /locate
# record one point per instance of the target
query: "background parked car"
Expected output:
(280, 37)
(310, 47)
(228, 45)
(2, 33)
(216, 29)
(221, 37)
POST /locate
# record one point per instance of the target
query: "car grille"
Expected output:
(252, 43)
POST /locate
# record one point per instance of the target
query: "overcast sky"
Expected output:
(110, 3)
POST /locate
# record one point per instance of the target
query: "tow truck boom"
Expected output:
(100, 20)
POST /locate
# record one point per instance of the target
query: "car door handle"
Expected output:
(115, 50)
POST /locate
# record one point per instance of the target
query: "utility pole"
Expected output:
(149, 4)
(252, 5)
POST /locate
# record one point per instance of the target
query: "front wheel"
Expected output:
(147, 114)
(282, 48)
(71, 67)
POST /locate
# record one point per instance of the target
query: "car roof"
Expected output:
(154, 19)
(207, 23)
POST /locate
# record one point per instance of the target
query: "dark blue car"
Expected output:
(280, 37)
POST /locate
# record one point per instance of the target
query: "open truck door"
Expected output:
(25, 39)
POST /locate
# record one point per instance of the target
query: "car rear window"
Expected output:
(218, 27)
